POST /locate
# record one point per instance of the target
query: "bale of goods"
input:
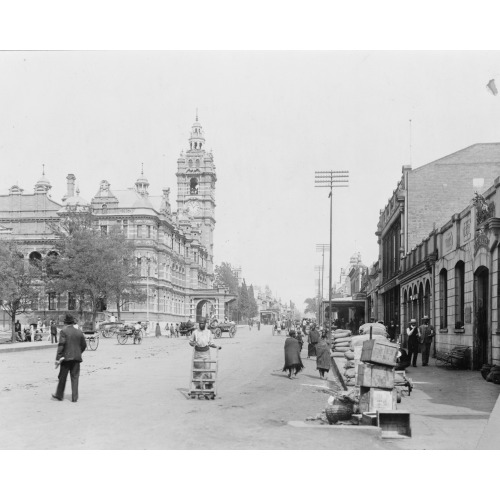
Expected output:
(349, 364)
(341, 344)
(349, 355)
(342, 349)
(338, 355)
(350, 382)
(376, 328)
(359, 339)
(341, 335)
(350, 373)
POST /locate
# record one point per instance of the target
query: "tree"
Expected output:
(92, 264)
(226, 277)
(19, 282)
(311, 305)
(254, 308)
(244, 301)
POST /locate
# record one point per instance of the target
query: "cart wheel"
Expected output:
(232, 331)
(214, 324)
(93, 343)
(107, 334)
(122, 338)
(217, 333)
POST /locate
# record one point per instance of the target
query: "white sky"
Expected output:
(271, 118)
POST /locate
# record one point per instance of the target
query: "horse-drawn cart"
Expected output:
(219, 328)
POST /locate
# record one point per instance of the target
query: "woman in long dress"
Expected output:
(323, 359)
(292, 355)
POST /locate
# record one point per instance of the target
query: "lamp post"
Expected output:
(148, 259)
(331, 179)
(319, 269)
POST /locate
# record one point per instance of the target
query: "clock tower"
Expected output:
(196, 180)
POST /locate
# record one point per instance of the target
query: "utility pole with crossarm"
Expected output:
(331, 179)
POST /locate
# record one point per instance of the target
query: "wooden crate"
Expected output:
(394, 424)
(380, 352)
(369, 418)
(375, 376)
(374, 399)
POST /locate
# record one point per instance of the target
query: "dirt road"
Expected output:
(134, 397)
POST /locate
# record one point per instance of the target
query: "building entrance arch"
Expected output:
(481, 315)
(204, 309)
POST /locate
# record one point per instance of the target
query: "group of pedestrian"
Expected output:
(420, 338)
(318, 345)
(36, 332)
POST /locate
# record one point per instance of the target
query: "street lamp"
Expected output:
(331, 179)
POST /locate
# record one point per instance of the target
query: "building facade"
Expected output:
(173, 249)
(423, 200)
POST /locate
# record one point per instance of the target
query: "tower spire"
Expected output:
(196, 114)
(142, 168)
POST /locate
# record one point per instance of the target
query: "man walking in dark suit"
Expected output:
(426, 335)
(69, 356)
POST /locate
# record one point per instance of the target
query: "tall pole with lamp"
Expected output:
(331, 179)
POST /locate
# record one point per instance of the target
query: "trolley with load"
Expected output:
(219, 328)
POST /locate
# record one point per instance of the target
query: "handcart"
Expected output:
(203, 381)
(218, 329)
(92, 338)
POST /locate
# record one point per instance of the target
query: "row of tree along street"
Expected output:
(245, 306)
(94, 267)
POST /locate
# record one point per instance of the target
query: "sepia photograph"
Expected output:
(249, 249)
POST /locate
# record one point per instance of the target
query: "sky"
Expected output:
(271, 118)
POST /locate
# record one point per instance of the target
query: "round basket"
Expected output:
(339, 411)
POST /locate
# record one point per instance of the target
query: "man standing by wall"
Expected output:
(413, 341)
(69, 356)
(426, 335)
(53, 332)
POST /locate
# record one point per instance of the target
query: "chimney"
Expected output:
(70, 182)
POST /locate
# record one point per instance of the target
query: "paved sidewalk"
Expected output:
(25, 346)
(450, 409)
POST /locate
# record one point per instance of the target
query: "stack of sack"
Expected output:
(353, 353)
(341, 342)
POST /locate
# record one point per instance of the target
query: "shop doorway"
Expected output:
(481, 308)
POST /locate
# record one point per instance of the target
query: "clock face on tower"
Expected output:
(193, 207)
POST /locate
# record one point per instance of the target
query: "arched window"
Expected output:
(443, 299)
(459, 294)
(197, 162)
(104, 209)
(427, 299)
(193, 185)
(35, 259)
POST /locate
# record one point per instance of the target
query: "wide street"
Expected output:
(134, 397)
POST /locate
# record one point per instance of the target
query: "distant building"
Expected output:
(174, 249)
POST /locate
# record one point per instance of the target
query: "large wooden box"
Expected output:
(394, 424)
(373, 399)
(375, 376)
(380, 352)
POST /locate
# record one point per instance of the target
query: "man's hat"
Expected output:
(413, 320)
(69, 319)
(425, 317)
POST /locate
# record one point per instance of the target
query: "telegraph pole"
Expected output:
(331, 179)
(321, 247)
(319, 269)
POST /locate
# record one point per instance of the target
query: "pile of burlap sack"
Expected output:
(343, 346)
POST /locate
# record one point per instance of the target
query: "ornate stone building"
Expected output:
(173, 249)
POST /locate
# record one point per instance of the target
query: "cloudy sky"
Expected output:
(271, 119)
